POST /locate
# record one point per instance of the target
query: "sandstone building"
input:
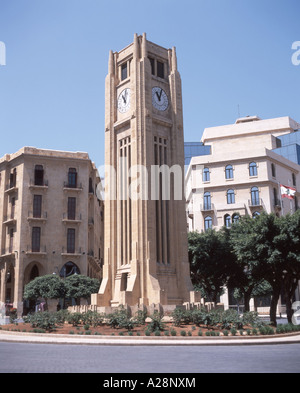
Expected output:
(51, 219)
(239, 170)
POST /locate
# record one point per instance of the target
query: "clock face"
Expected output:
(124, 101)
(159, 99)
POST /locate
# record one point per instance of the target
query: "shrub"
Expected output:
(156, 322)
(157, 333)
(62, 316)
(13, 316)
(74, 318)
(120, 319)
(233, 332)
(181, 316)
(201, 317)
(200, 333)
(173, 332)
(250, 318)
(183, 333)
(140, 317)
(43, 320)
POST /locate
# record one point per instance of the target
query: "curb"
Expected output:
(44, 338)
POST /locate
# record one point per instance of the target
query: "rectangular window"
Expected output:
(71, 241)
(71, 208)
(152, 62)
(37, 206)
(72, 178)
(124, 71)
(36, 239)
(160, 69)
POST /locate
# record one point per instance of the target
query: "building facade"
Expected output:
(146, 260)
(51, 219)
(243, 173)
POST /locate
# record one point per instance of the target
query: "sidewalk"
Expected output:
(9, 336)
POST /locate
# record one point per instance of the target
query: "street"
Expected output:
(53, 358)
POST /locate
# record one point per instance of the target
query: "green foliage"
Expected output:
(181, 316)
(74, 318)
(47, 287)
(43, 320)
(79, 286)
(156, 322)
(120, 319)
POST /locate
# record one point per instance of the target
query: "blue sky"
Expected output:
(231, 54)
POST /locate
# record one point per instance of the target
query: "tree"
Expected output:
(210, 261)
(78, 286)
(244, 277)
(46, 287)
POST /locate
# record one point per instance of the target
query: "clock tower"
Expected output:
(145, 244)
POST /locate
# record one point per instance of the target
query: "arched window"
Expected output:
(230, 197)
(235, 218)
(207, 223)
(34, 273)
(255, 196)
(253, 169)
(229, 172)
(69, 269)
(206, 175)
(207, 201)
(227, 221)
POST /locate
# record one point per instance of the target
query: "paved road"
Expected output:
(53, 358)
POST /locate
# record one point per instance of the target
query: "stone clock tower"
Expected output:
(145, 245)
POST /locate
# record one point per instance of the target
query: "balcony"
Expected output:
(71, 219)
(71, 253)
(37, 217)
(38, 185)
(72, 187)
(207, 207)
(36, 251)
(255, 202)
(9, 220)
(11, 188)
(9, 251)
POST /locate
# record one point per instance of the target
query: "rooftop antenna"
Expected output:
(239, 114)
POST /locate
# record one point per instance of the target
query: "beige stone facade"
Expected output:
(242, 175)
(145, 260)
(51, 219)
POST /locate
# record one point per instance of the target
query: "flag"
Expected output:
(287, 192)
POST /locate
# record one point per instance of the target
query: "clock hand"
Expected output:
(159, 95)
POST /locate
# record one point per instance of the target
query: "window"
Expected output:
(255, 196)
(273, 169)
(160, 69)
(294, 179)
(124, 71)
(227, 221)
(37, 206)
(69, 269)
(207, 223)
(230, 197)
(276, 200)
(36, 239)
(207, 201)
(13, 179)
(38, 175)
(152, 62)
(72, 178)
(71, 208)
(11, 239)
(253, 169)
(229, 172)
(235, 218)
(206, 175)
(71, 241)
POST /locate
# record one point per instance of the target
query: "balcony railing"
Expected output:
(37, 215)
(36, 249)
(72, 217)
(255, 202)
(72, 186)
(34, 183)
(207, 207)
